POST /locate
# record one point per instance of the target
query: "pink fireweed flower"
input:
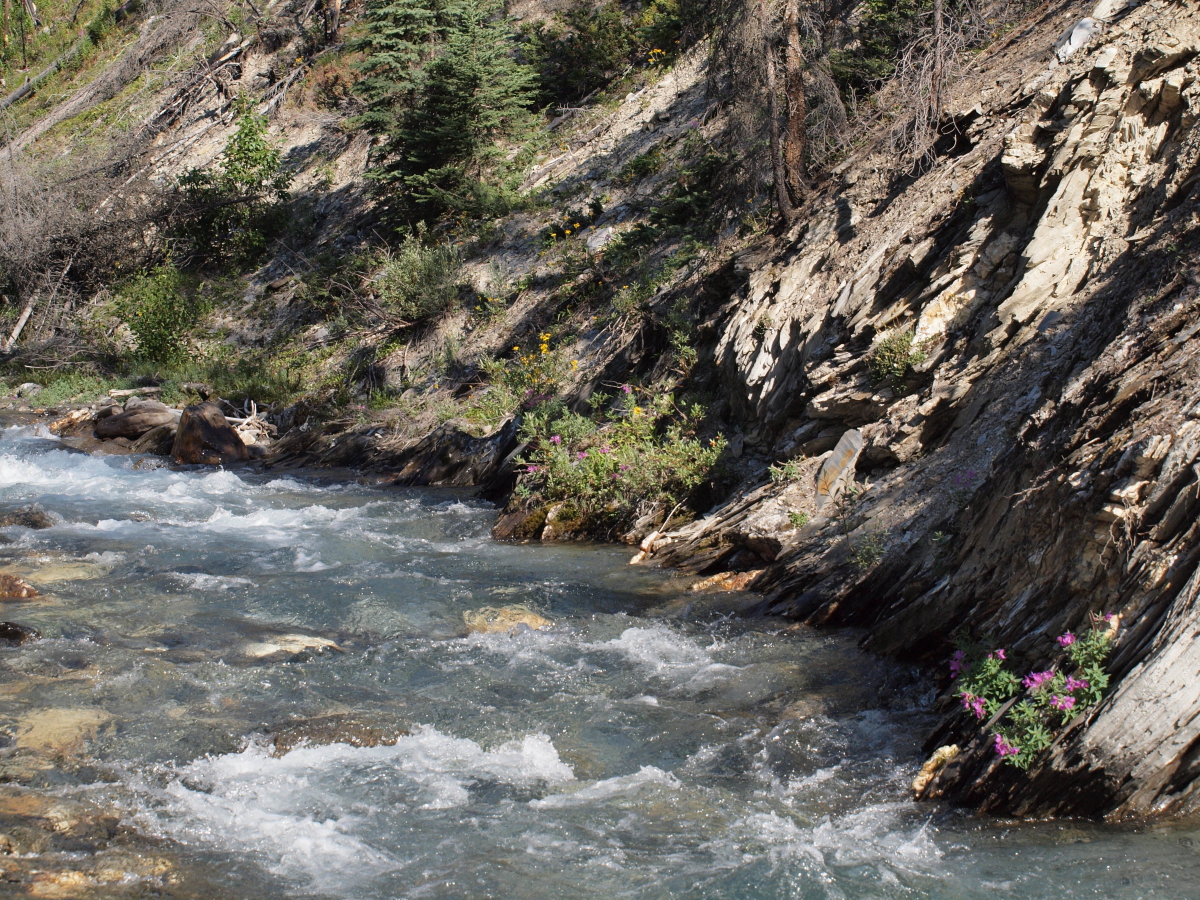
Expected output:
(973, 704)
(998, 654)
(1004, 748)
(1034, 681)
(555, 439)
(1066, 640)
(1063, 703)
(958, 662)
(1077, 684)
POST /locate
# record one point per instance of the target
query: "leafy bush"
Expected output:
(159, 307)
(604, 468)
(234, 208)
(984, 685)
(418, 281)
(893, 357)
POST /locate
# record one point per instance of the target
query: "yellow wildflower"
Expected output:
(637, 410)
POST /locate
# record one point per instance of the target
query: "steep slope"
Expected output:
(1037, 464)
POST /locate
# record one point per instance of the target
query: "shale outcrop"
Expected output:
(1037, 460)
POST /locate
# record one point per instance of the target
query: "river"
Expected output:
(211, 632)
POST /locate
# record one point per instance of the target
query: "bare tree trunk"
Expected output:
(796, 140)
(781, 190)
(7, 3)
(939, 68)
(16, 332)
(333, 20)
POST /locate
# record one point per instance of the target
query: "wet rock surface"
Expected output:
(205, 437)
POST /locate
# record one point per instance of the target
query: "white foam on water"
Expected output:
(306, 563)
(659, 649)
(199, 581)
(307, 811)
(608, 788)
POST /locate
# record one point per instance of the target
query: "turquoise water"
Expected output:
(643, 746)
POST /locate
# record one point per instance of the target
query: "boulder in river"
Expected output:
(14, 588)
(136, 420)
(158, 441)
(205, 437)
(14, 635)
(289, 645)
(497, 619)
(32, 516)
(355, 730)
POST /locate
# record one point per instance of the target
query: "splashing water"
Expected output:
(623, 752)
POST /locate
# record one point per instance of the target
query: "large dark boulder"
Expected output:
(204, 437)
(137, 419)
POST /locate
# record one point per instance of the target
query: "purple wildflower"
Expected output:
(1077, 684)
(973, 704)
(1108, 617)
(531, 469)
(555, 439)
(1063, 703)
(606, 449)
(582, 454)
(958, 662)
(627, 389)
(1004, 748)
(1066, 640)
(624, 467)
(1034, 681)
(998, 654)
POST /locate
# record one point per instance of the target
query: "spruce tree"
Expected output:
(444, 150)
(397, 35)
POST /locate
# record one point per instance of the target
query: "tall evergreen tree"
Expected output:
(395, 41)
(473, 95)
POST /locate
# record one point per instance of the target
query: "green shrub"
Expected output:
(893, 357)
(798, 519)
(417, 281)
(159, 306)
(234, 209)
(604, 468)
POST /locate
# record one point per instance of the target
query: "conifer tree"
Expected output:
(473, 95)
(396, 38)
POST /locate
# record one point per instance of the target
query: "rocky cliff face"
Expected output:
(1038, 462)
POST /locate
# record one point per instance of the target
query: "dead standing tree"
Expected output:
(771, 67)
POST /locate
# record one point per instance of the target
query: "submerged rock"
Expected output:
(206, 438)
(497, 619)
(289, 645)
(136, 420)
(352, 729)
(14, 635)
(32, 516)
(64, 730)
(13, 588)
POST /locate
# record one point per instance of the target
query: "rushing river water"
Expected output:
(644, 746)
